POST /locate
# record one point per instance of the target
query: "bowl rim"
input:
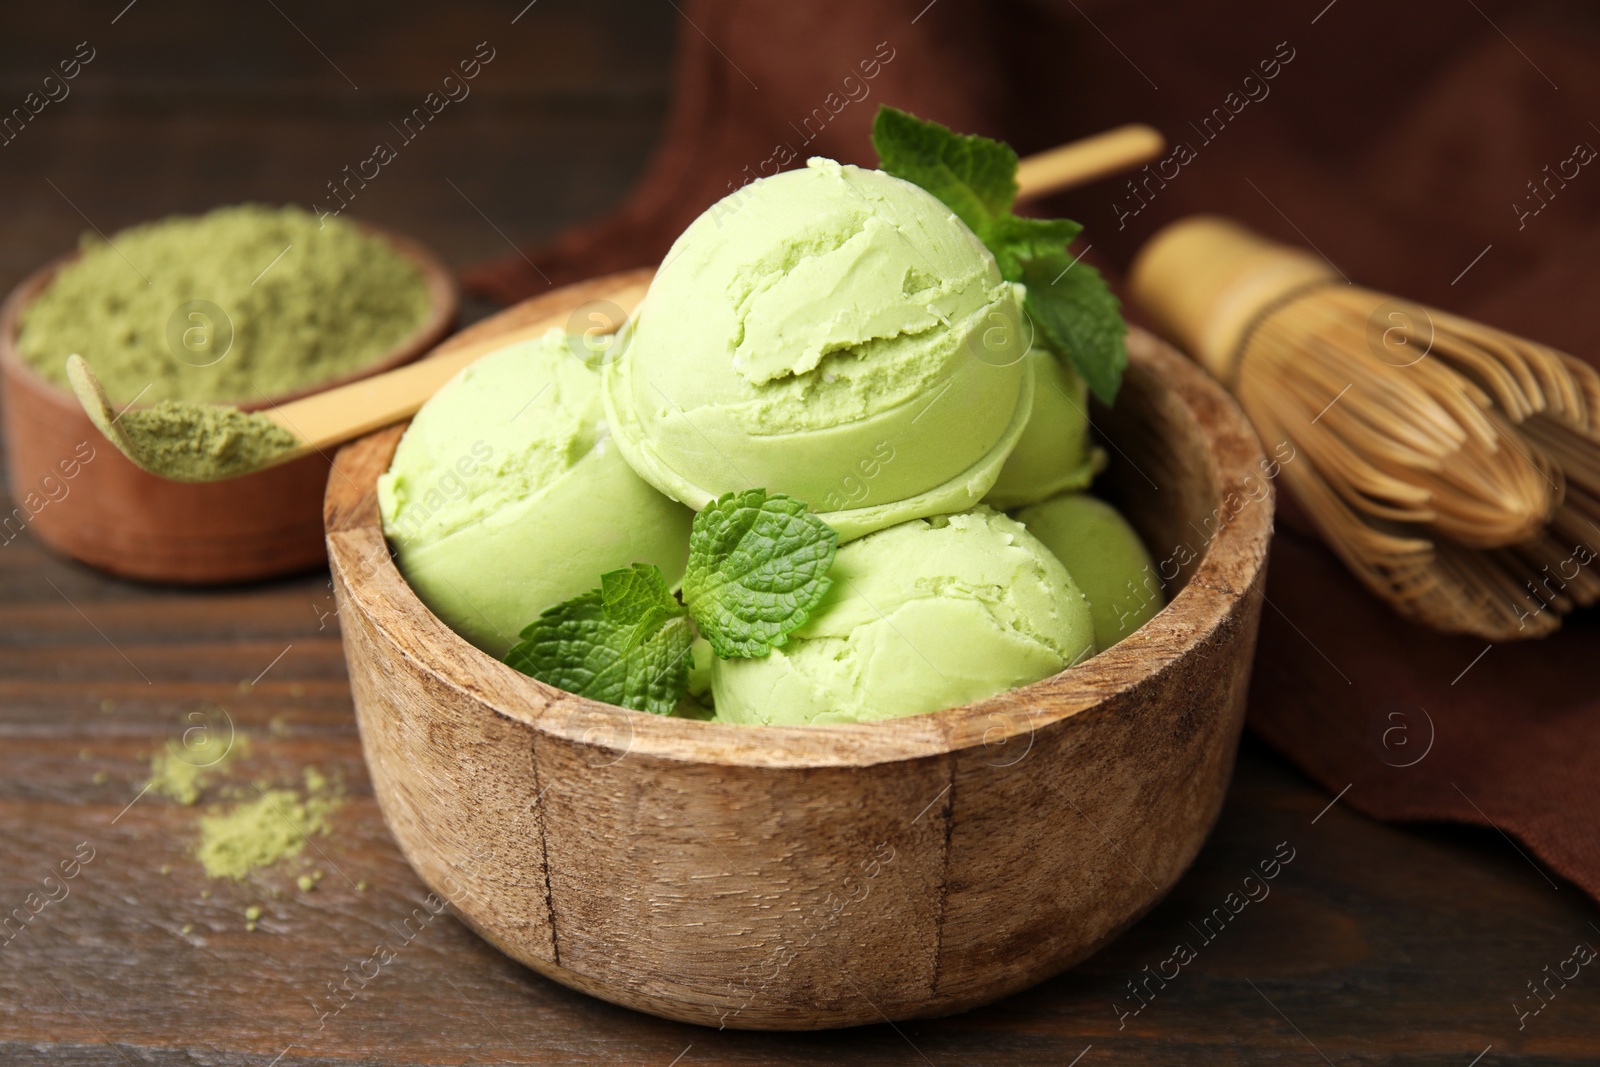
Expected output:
(1229, 566)
(444, 305)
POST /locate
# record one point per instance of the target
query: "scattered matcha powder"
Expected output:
(241, 302)
(201, 442)
(181, 770)
(274, 826)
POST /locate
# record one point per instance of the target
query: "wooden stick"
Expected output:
(1088, 160)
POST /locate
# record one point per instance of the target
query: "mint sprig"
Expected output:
(587, 647)
(1077, 315)
(758, 566)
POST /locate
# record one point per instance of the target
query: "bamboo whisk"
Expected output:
(1454, 468)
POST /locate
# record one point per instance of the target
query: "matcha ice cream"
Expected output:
(1104, 556)
(506, 496)
(830, 333)
(1054, 454)
(921, 616)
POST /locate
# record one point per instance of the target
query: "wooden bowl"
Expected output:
(801, 878)
(83, 498)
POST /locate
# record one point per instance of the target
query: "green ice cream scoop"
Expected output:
(506, 496)
(830, 333)
(1104, 556)
(1054, 454)
(924, 615)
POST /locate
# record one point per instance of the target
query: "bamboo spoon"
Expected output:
(322, 421)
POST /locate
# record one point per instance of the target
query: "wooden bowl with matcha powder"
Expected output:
(245, 306)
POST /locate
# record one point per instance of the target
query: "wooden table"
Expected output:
(1376, 944)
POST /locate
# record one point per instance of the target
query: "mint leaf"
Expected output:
(975, 177)
(1077, 316)
(626, 643)
(758, 566)
(1013, 240)
(639, 598)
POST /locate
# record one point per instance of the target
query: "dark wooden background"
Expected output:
(1377, 944)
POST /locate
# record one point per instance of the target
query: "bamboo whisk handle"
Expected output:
(1206, 281)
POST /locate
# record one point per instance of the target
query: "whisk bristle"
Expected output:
(1453, 467)
(1399, 432)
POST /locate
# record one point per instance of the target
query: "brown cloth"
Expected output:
(1409, 143)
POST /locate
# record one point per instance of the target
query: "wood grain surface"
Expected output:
(1380, 944)
(1376, 944)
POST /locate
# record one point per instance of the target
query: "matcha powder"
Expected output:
(181, 770)
(260, 832)
(234, 305)
(200, 443)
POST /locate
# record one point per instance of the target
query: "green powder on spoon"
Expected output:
(203, 443)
